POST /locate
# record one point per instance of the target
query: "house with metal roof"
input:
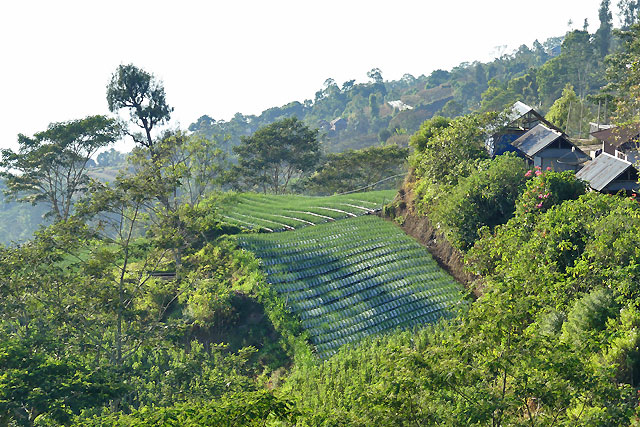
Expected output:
(610, 174)
(622, 142)
(524, 117)
(338, 124)
(520, 119)
(550, 148)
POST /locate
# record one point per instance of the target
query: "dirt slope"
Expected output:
(420, 228)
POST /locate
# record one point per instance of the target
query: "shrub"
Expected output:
(442, 145)
(485, 198)
(547, 189)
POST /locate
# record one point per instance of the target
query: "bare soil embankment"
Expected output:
(420, 228)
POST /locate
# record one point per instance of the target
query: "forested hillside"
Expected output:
(389, 111)
(384, 111)
(256, 272)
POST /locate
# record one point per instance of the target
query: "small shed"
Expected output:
(610, 174)
(550, 148)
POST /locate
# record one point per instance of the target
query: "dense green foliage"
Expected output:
(622, 75)
(552, 340)
(139, 92)
(51, 166)
(34, 384)
(485, 198)
(89, 303)
(560, 112)
(391, 110)
(136, 308)
(237, 409)
(354, 278)
(456, 183)
(275, 155)
(445, 150)
(369, 168)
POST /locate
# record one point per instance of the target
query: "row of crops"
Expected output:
(353, 278)
(289, 212)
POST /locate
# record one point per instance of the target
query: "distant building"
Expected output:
(621, 142)
(400, 105)
(595, 127)
(324, 125)
(521, 119)
(610, 174)
(549, 148)
(338, 124)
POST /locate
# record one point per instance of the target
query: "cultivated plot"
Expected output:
(290, 212)
(353, 278)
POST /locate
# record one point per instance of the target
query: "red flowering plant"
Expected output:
(546, 188)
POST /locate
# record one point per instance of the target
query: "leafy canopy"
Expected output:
(442, 146)
(355, 169)
(485, 198)
(275, 154)
(51, 166)
(139, 92)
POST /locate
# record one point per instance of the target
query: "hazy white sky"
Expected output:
(223, 57)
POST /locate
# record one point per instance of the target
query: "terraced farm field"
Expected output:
(290, 212)
(353, 278)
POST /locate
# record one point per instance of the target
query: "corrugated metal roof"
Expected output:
(617, 136)
(518, 110)
(536, 139)
(602, 170)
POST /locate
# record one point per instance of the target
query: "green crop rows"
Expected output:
(353, 278)
(289, 212)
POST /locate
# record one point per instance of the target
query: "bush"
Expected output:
(547, 189)
(442, 145)
(588, 318)
(485, 198)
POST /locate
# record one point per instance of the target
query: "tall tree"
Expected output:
(560, 111)
(276, 153)
(375, 75)
(359, 169)
(629, 10)
(623, 72)
(121, 264)
(603, 34)
(176, 178)
(139, 91)
(51, 166)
